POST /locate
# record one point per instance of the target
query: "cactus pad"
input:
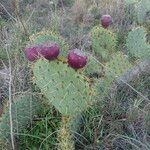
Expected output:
(142, 9)
(45, 36)
(136, 43)
(117, 66)
(67, 90)
(103, 42)
(65, 137)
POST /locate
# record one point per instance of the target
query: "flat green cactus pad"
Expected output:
(129, 2)
(44, 36)
(136, 43)
(117, 66)
(67, 90)
(103, 42)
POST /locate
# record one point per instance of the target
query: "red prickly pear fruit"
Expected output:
(32, 52)
(106, 20)
(50, 50)
(77, 59)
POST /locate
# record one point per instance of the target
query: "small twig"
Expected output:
(62, 4)
(10, 100)
(8, 12)
(141, 68)
(16, 6)
(3, 72)
(47, 138)
(30, 16)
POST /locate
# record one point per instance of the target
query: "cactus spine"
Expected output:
(71, 92)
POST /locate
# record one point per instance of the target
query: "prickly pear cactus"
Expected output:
(117, 66)
(45, 36)
(142, 8)
(65, 137)
(129, 2)
(103, 42)
(66, 89)
(136, 43)
(23, 110)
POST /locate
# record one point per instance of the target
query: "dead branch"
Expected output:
(141, 68)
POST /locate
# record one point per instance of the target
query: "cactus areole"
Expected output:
(106, 20)
(50, 50)
(77, 59)
(32, 52)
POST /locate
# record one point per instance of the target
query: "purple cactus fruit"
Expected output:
(106, 20)
(77, 59)
(50, 50)
(32, 52)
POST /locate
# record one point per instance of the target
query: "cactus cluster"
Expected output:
(69, 90)
(66, 88)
